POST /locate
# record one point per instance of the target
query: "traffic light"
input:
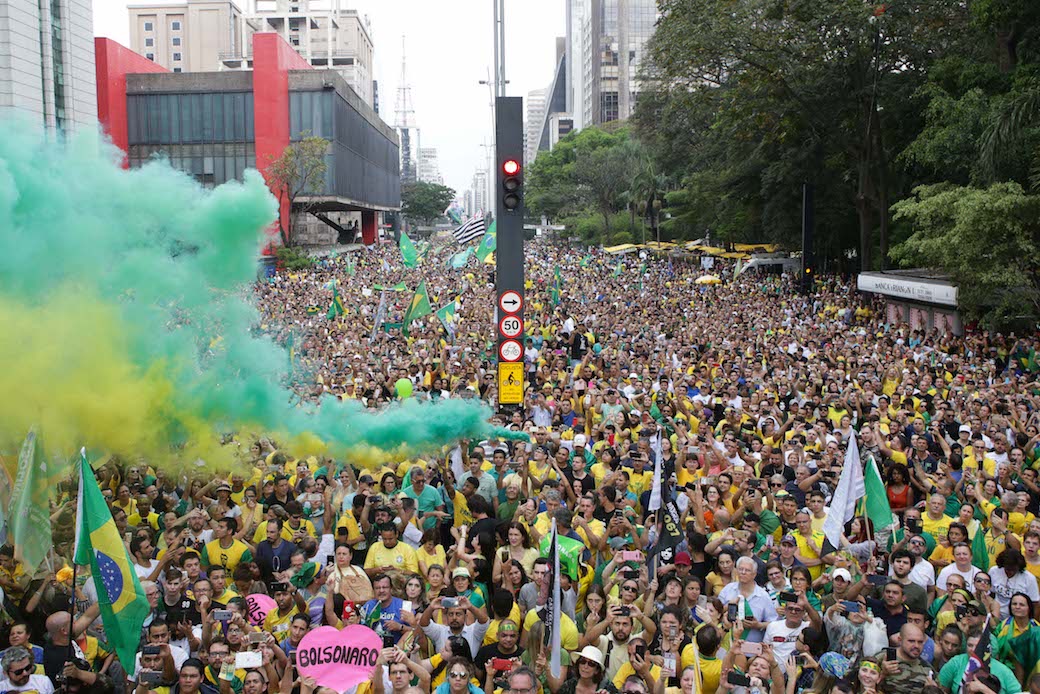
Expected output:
(511, 184)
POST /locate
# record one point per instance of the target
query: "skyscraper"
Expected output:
(606, 41)
(533, 123)
(47, 61)
(429, 169)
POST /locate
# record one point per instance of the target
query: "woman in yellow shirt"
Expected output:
(430, 552)
(124, 501)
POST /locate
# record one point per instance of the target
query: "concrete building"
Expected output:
(429, 168)
(605, 45)
(215, 125)
(47, 62)
(189, 36)
(325, 34)
(481, 202)
(535, 103)
(555, 120)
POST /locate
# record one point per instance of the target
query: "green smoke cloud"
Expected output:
(115, 283)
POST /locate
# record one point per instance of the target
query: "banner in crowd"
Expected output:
(30, 520)
(339, 659)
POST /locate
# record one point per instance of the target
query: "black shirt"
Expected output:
(493, 650)
(893, 622)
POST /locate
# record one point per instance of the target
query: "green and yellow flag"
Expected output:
(123, 604)
(619, 268)
(419, 307)
(30, 521)
(488, 244)
(446, 314)
(336, 307)
(556, 287)
(409, 253)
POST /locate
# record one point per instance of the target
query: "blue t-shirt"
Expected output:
(376, 617)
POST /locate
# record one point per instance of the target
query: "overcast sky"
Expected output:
(449, 50)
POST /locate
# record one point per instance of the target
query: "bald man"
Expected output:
(56, 650)
(906, 674)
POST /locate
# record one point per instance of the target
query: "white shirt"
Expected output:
(923, 574)
(969, 575)
(782, 638)
(36, 683)
(1004, 588)
(178, 653)
(144, 572)
(473, 633)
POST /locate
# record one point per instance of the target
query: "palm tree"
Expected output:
(1013, 118)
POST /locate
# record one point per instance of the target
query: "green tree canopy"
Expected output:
(986, 238)
(423, 202)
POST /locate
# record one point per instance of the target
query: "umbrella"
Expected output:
(707, 279)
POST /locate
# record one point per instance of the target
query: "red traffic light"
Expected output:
(511, 167)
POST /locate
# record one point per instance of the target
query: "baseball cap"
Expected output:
(841, 573)
(682, 559)
(788, 540)
(461, 571)
(964, 429)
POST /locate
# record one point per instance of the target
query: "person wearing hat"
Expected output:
(586, 671)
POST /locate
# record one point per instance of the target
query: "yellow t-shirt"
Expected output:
(805, 551)
(462, 513)
(568, 629)
(288, 531)
(401, 557)
(491, 635)
(627, 670)
(228, 558)
(278, 625)
(438, 556)
(936, 528)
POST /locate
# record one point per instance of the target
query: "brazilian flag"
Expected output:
(123, 604)
(313, 310)
(336, 307)
(419, 307)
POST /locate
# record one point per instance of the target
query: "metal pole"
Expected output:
(494, 36)
(502, 47)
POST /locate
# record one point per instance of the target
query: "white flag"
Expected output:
(655, 490)
(552, 605)
(850, 490)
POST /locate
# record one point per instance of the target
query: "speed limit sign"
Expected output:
(511, 326)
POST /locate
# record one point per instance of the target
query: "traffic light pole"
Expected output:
(509, 260)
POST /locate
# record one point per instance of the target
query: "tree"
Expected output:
(423, 202)
(762, 96)
(987, 239)
(300, 169)
(603, 175)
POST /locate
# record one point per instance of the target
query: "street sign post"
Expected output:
(509, 255)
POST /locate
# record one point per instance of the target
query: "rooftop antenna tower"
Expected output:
(404, 122)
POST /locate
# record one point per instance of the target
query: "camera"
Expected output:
(738, 679)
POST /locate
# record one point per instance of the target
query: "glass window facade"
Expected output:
(362, 163)
(209, 136)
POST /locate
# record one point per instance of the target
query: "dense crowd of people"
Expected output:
(744, 394)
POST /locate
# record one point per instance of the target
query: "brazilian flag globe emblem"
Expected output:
(123, 604)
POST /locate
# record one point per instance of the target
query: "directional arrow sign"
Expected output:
(510, 302)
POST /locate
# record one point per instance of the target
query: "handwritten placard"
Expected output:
(339, 659)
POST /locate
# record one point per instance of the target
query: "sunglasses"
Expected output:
(457, 675)
(629, 588)
(22, 671)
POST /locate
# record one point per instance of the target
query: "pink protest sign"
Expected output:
(339, 659)
(259, 605)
